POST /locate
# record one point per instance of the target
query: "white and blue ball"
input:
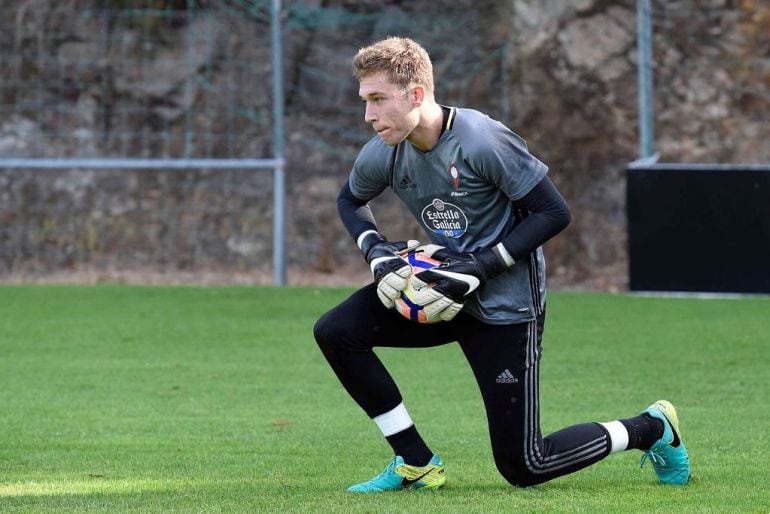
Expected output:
(407, 304)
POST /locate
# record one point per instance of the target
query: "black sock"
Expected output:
(409, 445)
(643, 431)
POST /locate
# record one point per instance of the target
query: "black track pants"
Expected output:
(505, 360)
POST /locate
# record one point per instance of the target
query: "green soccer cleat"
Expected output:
(668, 455)
(399, 475)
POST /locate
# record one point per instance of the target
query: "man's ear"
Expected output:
(417, 95)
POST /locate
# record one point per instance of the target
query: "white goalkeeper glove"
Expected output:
(458, 275)
(386, 260)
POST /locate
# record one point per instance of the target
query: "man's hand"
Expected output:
(389, 268)
(459, 275)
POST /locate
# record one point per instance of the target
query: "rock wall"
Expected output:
(193, 79)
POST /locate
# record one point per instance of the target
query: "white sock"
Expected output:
(394, 421)
(618, 435)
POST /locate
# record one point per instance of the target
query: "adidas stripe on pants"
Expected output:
(505, 360)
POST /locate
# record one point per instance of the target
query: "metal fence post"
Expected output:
(279, 256)
(644, 65)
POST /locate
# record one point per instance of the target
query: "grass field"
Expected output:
(186, 399)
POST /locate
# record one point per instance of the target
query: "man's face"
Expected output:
(389, 108)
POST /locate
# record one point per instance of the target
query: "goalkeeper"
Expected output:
(487, 206)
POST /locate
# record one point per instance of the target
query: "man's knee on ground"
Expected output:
(517, 474)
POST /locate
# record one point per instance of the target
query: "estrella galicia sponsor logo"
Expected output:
(445, 218)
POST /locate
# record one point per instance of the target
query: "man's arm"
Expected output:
(354, 213)
(461, 273)
(389, 269)
(545, 215)
(548, 215)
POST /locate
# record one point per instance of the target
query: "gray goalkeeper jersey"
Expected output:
(462, 192)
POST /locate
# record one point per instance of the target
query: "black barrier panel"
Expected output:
(699, 228)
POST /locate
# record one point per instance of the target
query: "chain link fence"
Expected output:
(191, 79)
(134, 79)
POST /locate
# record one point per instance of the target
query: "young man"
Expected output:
(487, 206)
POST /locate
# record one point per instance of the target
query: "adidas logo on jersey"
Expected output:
(406, 183)
(506, 377)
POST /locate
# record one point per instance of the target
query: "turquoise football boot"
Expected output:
(399, 475)
(668, 455)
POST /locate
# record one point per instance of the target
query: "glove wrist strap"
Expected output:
(494, 261)
(368, 240)
(502, 252)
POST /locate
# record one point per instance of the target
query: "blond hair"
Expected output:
(403, 60)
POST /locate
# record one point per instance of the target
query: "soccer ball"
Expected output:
(406, 305)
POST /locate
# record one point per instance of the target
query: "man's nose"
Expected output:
(370, 115)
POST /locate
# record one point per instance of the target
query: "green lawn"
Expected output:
(116, 398)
